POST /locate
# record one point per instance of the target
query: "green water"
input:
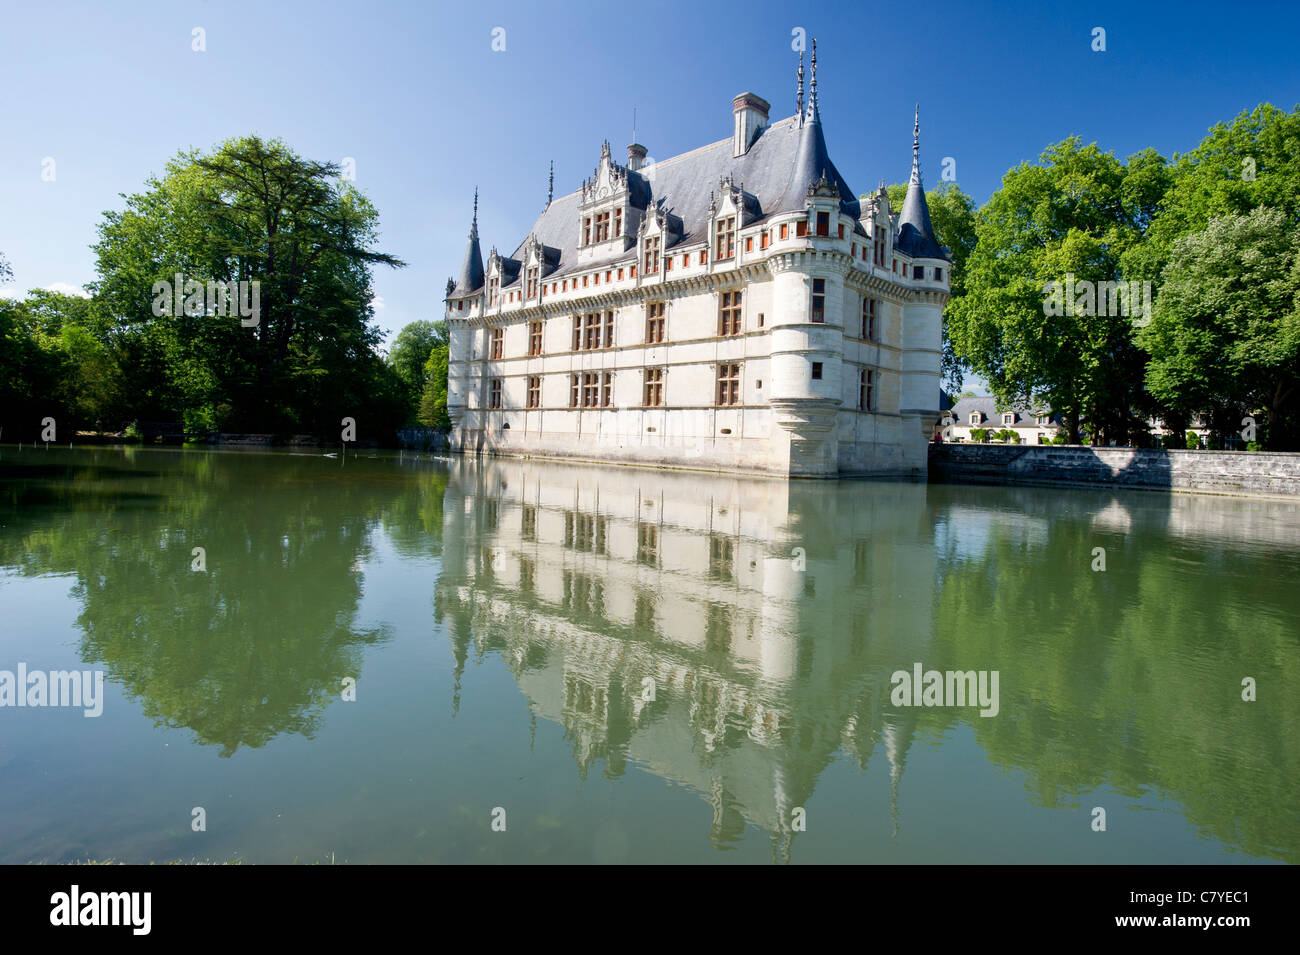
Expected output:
(635, 666)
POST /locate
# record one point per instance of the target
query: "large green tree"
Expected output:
(1226, 329)
(1074, 213)
(251, 211)
(409, 358)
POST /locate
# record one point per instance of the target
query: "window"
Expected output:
(577, 332)
(866, 384)
(495, 400)
(976, 417)
(618, 224)
(609, 329)
(590, 389)
(704, 256)
(869, 319)
(686, 260)
(535, 391)
(760, 319)
(819, 301)
(817, 371)
(762, 241)
(602, 227)
(729, 314)
(801, 227)
(823, 223)
(573, 391)
(918, 271)
(586, 231)
(498, 338)
(652, 255)
(654, 388)
(532, 282)
(494, 289)
(785, 231)
(668, 263)
(729, 384)
(749, 243)
(620, 275)
(591, 331)
(726, 238)
(1044, 419)
(1008, 419)
(878, 252)
(853, 251)
(841, 230)
(608, 275)
(654, 323)
(938, 275)
(607, 390)
(534, 338)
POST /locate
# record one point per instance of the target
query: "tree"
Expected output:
(252, 211)
(433, 402)
(1069, 217)
(1226, 326)
(409, 358)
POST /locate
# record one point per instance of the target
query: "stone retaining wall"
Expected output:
(1222, 472)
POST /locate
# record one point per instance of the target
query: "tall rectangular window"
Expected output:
(816, 371)
(729, 314)
(534, 338)
(577, 332)
(532, 281)
(652, 255)
(602, 227)
(785, 231)
(573, 391)
(609, 329)
(801, 228)
(618, 224)
(495, 400)
(654, 323)
(590, 389)
(819, 301)
(823, 223)
(607, 390)
(866, 385)
(654, 388)
(494, 289)
(868, 319)
(726, 238)
(729, 384)
(498, 339)
(591, 331)
(586, 231)
(535, 391)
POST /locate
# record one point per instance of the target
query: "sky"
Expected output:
(416, 95)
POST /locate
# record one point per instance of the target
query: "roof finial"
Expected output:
(473, 229)
(550, 186)
(916, 146)
(798, 100)
(812, 96)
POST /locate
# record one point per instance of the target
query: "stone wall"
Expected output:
(1222, 472)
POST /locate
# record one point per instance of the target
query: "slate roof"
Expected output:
(776, 172)
(1024, 418)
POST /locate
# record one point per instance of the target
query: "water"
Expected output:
(507, 622)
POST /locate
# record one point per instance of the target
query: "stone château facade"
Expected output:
(733, 308)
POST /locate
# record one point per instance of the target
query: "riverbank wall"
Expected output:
(1272, 474)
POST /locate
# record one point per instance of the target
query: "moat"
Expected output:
(370, 655)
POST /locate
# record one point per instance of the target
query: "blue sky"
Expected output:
(415, 94)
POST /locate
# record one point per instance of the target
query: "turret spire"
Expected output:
(812, 96)
(550, 186)
(473, 228)
(798, 100)
(471, 272)
(916, 147)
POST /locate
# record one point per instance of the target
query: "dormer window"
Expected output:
(726, 238)
(823, 223)
(618, 223)
(1009, 419)
(602, 227)
(586, 230)
(652, 255)
(494, 289)
(976, 417)
(532, 281)
(1044, 420)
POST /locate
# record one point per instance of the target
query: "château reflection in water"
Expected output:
(737, 635)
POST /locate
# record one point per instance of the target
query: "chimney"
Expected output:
(635, 156)
(750, 112)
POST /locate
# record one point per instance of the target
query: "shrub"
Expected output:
(1193, 442)
(1009, 436)
(979, 435)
